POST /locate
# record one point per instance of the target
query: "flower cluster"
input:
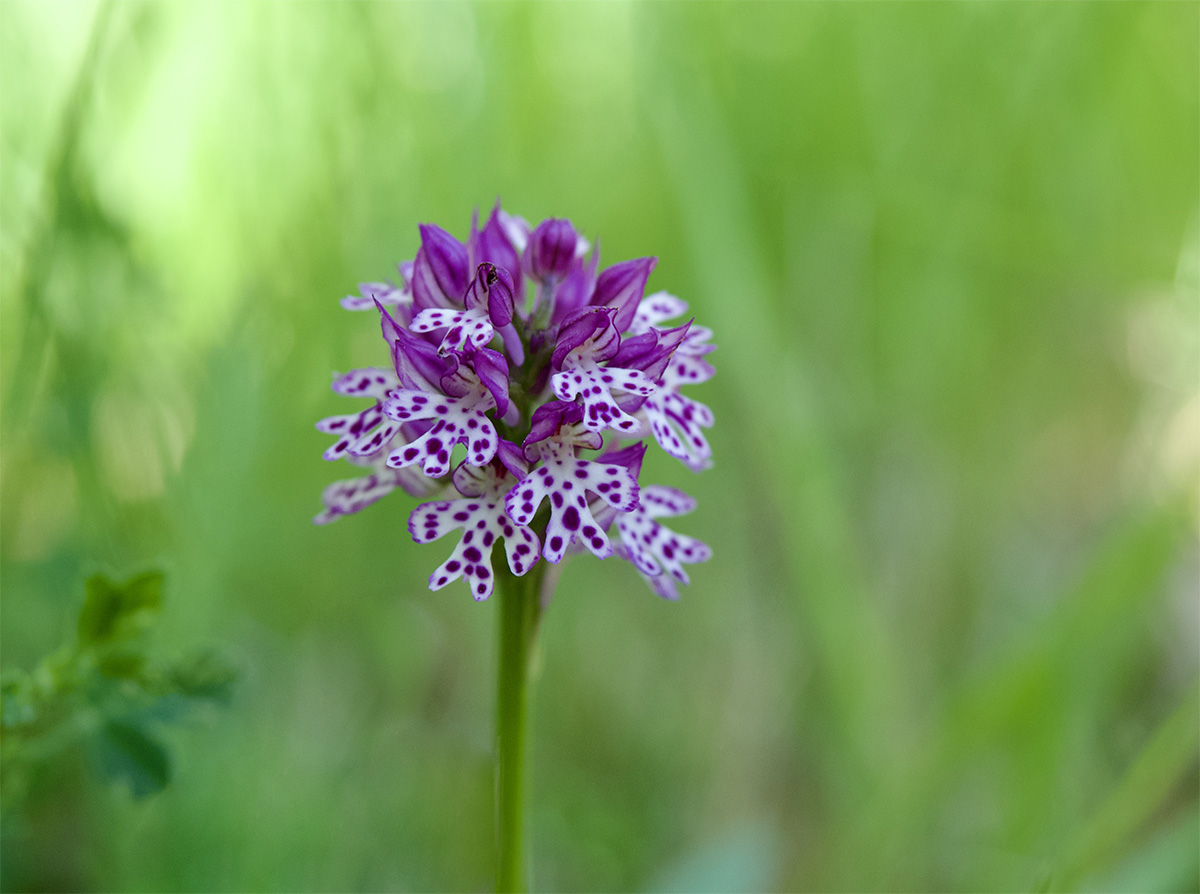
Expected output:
(551, 375)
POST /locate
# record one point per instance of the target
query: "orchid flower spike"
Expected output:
(524, 386)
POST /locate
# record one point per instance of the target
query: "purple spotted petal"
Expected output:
(456, 421)
(653, 548)
(463, 327)
(359, 434)
(354, 495)
(565, 481)
(595, 384)
(373, 382)
(483, 520)
(382, 292)
(655, 309)
(677, 422)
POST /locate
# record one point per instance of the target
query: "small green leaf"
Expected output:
(121, 663)
(17, 706)
(118, 611)
(204, 675)
(126, 752)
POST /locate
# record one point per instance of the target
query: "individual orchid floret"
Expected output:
(482, 519)
(384, 293)
(460, 418)
(495, 244)
(489, 305)
(677, 422)
(585, 341)
(675, 419)
(566, 480)
(355, 494)
(366, 432)
(657, 551)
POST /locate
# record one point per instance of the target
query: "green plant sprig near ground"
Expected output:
(101, 693)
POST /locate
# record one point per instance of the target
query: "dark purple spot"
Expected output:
(461, 516)
(453, 566)
(471, 554)
(557, 499)
(488, 537)
(571, 518)
(555, 543)
(581, 473)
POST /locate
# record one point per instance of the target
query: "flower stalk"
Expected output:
(516, 627)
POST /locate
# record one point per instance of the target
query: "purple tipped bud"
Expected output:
(440, 269)
(552, 247)
(493, 288)
(622, 286)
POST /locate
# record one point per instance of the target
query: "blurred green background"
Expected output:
(949, 637)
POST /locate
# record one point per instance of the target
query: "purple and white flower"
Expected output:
(524, 383)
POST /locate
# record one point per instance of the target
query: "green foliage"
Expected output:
(102, 693)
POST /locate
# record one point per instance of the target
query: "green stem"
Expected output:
(516, 628)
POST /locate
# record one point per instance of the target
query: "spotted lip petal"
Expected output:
(482, 520)
(367, 432)
(382, 292)
(457, 420)
(654, 549)
(594, 385)
(566, 480)
(355, 494)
